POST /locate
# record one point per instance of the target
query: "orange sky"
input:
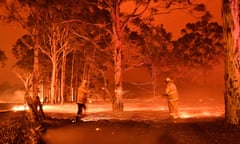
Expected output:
(175, 22)
(172, 22)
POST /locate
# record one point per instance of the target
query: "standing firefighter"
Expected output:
(172, 96)
(81, 99)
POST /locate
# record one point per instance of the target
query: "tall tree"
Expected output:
(54, 45)
(230, 14)
(200, 46)
(91, 42)
(118, 24)
(27, 14)
(23, 52)
(157, 51)
(121, 19)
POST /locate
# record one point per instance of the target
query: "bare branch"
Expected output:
(88, 39)
(134, 66)
(26, 43)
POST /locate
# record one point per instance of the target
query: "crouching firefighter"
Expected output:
(173, 97)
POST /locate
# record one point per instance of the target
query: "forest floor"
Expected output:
(211, 130)
(142, 123)
(14, 129)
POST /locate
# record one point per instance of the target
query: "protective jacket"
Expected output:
(82, 94)
(172, 94)
(171, 91)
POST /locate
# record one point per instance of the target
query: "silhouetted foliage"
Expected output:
(199, 48)
(3, 58)
(201, 43)
(22, 50)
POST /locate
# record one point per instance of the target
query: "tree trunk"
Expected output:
(31, 100)
(85, 70)
(117, 100)
(34, 101)
(118, 27)
(154, 78)
(117, 104)
(35, 67)
(232, 51)
(64, 58)
(105, 88)
(72, 78)
(53, 83)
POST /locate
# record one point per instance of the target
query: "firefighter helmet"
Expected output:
(168, 79)
(84, 82)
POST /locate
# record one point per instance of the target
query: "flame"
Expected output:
(94, 108)
(20, 108)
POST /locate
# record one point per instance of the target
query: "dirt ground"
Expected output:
(212, 130)
(16, 128)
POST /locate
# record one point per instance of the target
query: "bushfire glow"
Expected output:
(72, 109)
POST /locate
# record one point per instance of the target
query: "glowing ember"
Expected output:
(20, 108)
(133, 109)
(185, 115)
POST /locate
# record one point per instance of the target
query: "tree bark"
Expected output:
(117, 101)
(73, 96)
(53, 82)
(230, 13)
(64, 58)
(154, 78)
(35, 67)
(117, 104)
(34, 101)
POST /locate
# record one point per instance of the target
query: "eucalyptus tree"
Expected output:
(3, 58)
(200, 46)
(159, 57)
(56, 41)
(120, 20)
(93, 53)
(230, 15)
(66, 50)
(149, 47)
(27, 14)
(91, 44)
(55, 45)
(23, 51)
